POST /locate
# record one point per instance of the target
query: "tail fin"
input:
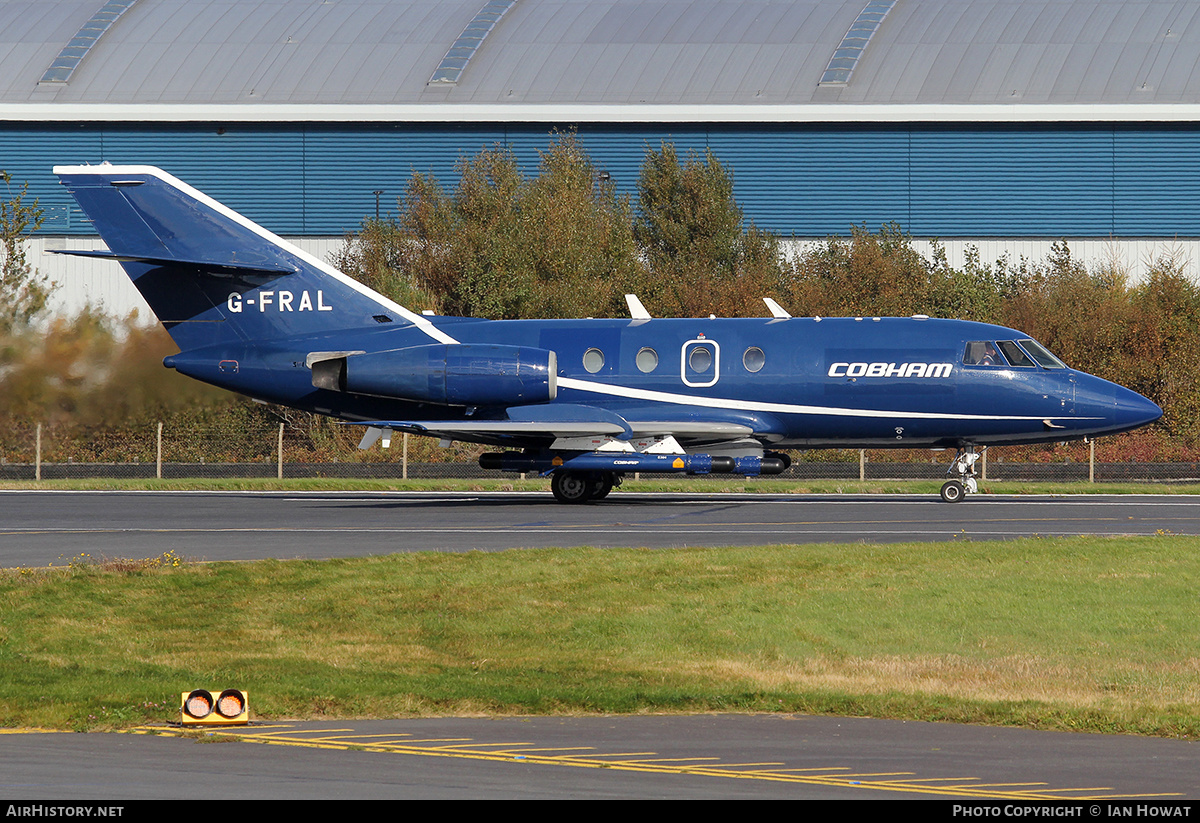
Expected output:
(213, 276)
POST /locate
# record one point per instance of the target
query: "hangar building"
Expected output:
(1003, 124)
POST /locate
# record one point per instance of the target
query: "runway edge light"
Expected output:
(230, 708)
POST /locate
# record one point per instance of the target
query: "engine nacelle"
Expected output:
(466, 374)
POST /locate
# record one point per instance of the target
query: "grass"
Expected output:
(1082, 634)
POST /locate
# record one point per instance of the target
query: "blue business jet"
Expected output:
(585, 401)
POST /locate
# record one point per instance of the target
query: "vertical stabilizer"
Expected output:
(213, 276)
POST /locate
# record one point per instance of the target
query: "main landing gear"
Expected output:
(581, 487)
(964, 466)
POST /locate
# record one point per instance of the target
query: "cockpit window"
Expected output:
(982, 353)
(1014, 354)
(1044, 358)
(1023, 354)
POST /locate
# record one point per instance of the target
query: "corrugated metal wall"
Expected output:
(933, 180)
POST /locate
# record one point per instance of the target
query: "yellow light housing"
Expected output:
(230, 708)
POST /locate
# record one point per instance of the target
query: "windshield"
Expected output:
(1022, 354)
(1044, 358)
(1014, 354)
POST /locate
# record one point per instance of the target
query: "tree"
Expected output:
(1159, 353)
(1082, 316)
(375, 256)
(689, 227)
(579, 235)
(503, 245)
(882, 274)
(23, 293)
(687, 212)
(863, 275)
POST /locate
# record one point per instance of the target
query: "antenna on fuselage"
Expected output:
(636, 310)
(777, 310)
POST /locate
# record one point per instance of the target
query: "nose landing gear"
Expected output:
(964, 466)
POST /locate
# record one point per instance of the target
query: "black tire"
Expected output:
(571, 487)
(953, 491)
(602, 484)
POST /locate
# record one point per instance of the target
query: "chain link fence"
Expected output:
(278, 450)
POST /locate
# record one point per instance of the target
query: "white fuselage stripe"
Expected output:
(783, 408)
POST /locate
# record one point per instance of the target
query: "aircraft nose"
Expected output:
(1131, 410)
(1104, 407)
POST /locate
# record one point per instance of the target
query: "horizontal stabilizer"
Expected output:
(269, 267)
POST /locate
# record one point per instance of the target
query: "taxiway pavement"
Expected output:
(687, 757)
(37, 528)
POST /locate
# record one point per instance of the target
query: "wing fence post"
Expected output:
(404, 459)
(158, 454)
(37, 470)
(1091, 460)
(862, 464)
(279, 472)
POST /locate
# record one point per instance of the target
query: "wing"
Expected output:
(575, 428)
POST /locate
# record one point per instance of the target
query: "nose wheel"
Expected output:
(953, 491)
(964, 466)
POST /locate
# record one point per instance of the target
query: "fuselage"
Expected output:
(796, 382)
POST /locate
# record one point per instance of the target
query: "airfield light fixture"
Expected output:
(229, 708)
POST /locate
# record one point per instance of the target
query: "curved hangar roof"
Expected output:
(267, 54)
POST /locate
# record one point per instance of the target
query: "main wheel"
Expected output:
(602, 484)
(953, 491)
(571, 487)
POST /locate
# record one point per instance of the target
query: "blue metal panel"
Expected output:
(621, 151)
(1007, 182)
(816, 181)
(1157, 183)
(26, 152)
(976, 181)
(342, 171)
